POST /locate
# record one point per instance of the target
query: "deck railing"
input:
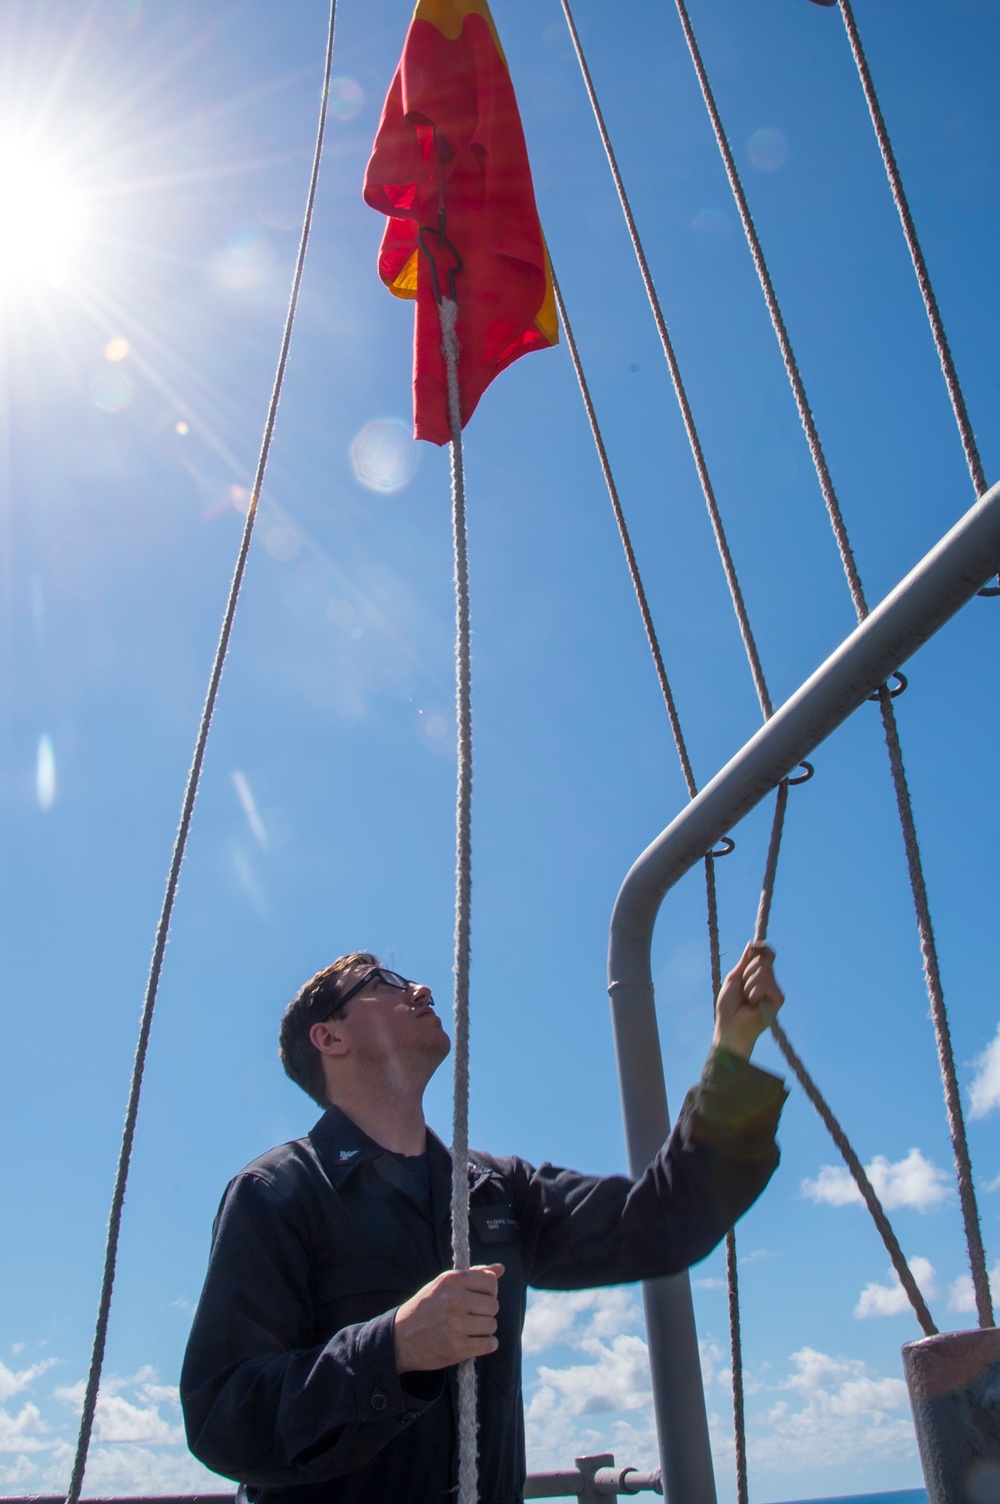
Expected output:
(593, 1480)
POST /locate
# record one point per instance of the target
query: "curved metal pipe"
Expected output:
(944, 581)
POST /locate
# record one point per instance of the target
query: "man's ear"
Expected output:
(328, 1038)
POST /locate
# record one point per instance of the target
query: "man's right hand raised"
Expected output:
(449, 1320)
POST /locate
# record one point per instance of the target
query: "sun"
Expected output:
(44, 220)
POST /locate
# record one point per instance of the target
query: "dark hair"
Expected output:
(313, 1003)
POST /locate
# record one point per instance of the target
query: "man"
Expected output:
(321, 1364)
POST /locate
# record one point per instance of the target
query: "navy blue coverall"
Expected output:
(289, 1383)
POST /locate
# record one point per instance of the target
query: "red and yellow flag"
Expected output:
(450, 160)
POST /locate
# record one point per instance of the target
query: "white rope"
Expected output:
(904, 803)
(468, 1482)
(92, 1388)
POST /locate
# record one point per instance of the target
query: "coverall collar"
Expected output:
(342, 1146)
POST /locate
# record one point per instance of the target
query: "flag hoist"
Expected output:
(450, 170)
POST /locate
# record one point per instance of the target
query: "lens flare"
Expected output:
(384, 455)
(283, 542)
(712, 225)
(110, 391)
(45, 772)
(44, 221)
(244, 794)
(247, 262)
(768, 149)
(116, 349)
(346, 98)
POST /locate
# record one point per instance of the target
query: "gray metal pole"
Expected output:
(947, 578)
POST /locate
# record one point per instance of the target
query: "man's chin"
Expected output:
(440, 1047)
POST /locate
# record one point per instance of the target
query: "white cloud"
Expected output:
(602, 1400)
(22, 1432)
(616, 1378)
(18, 1474)
(984, 1093)
(961, 1295)
(913, 1181)
(117, 1419)
(141, 1470)
(715, 1369)
(892, 1299)
(839, 1409)
(554, 1317)
(822, 1410)
(993, 1185)
(847, 1382)
(833, 1186)
(138, 1439)
(12, 1383)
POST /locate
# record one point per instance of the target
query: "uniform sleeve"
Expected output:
(581, 1230)
(263, 1402)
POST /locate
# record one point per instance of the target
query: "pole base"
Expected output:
(954, 1384)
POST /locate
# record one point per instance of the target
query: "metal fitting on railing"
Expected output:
(592, 1480)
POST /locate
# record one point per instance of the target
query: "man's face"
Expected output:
(384, 1024)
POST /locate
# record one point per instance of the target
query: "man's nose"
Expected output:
(419, 995)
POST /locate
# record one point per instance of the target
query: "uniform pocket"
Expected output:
(357, 1290)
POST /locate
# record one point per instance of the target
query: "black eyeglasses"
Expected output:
(387, 978)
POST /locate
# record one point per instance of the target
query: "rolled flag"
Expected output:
(450, 169)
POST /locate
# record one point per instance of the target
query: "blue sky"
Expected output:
(171, 148)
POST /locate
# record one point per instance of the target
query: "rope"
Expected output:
(955, 393)
(816, 1097)
(766, 708)
(956, 1122)
(771, 864)
(864, 1185)
(736, 1359)
(686, 769)
(711, 895)
(732, 1263)
(939, 1015)
(774, 309)
(753, 658)
(187, 808)
(767, 891)
(467, 1445)
(626, 539)
(690, 428)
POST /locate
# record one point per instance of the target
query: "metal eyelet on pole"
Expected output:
(725, 846)
(901, 683)
(807, 772)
